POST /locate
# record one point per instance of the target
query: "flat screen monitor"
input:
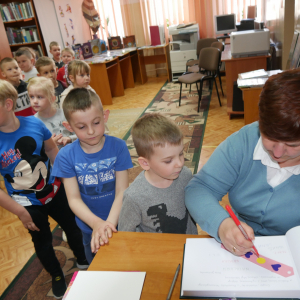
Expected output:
(225, 24)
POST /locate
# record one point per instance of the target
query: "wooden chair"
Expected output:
(209, 59)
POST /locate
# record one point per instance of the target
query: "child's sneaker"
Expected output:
(59, 286)
(82, 265)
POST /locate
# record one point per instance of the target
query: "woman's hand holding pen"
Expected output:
(232, 238)
(102, 231)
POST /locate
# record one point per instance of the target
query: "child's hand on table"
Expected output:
(102, 231)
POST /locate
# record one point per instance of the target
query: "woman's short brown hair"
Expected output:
(279, 107)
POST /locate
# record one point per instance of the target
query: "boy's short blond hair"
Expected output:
(44, 61)
(78, 66)
(52, 44)
(6, 60)
(24, 51)
(43, 84)
(30, 50)
(80, 99)
(69, 50)
(154, 130)
(7, 91)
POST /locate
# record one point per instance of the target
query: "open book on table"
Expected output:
(254, 74)
(211, 271)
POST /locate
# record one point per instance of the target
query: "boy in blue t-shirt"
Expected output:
(94, 169)
(26, 150)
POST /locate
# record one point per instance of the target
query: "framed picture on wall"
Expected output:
(296, 52)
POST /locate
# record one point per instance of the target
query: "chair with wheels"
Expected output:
(209, 61)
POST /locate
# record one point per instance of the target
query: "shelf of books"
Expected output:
(21, 25)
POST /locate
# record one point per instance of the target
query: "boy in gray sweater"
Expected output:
(154, 202)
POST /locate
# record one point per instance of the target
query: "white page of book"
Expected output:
(293, 239)
(209, 270)
(107, 285)
(252, 74)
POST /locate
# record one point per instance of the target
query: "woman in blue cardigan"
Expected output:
(258, 167)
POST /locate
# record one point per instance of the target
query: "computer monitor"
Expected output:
(225, 24)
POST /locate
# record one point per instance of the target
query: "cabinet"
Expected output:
(6, 48)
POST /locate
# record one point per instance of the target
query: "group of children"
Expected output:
(87, 179)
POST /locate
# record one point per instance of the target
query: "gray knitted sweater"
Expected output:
(150, 209)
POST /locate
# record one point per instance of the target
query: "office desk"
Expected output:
(110, 78)
(106, 80)
(251, 99)
(235, 66)
(154, 59)
(158, 254)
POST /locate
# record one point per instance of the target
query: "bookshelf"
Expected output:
(14, 18)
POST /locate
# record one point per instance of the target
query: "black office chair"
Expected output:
(209, 59)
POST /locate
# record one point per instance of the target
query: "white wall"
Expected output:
(50, 26)
(48, 22)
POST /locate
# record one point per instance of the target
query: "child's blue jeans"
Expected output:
(86, 238)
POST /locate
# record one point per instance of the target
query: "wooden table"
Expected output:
(158, 254)
(110, 78)
(235, 66)
(106, 80)
(156, 58)
(251, 100)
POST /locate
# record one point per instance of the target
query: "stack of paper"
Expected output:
(107, 285)
(255, 78)
(254, 74)
(255, 82)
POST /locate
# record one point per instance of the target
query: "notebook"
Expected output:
(106, 285)
(211, 271)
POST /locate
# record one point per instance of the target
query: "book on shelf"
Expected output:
(24, 10)
(211, 271)
(24, 36)
(30, 32)
(102, 284)
(10, 39)
(40, 50)
(4, 19)
(15, 35)
(31, 9)
(18, 6)
(18, 11)
(14, 11)
(35, 35)
(8, 12)
(29, 40)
